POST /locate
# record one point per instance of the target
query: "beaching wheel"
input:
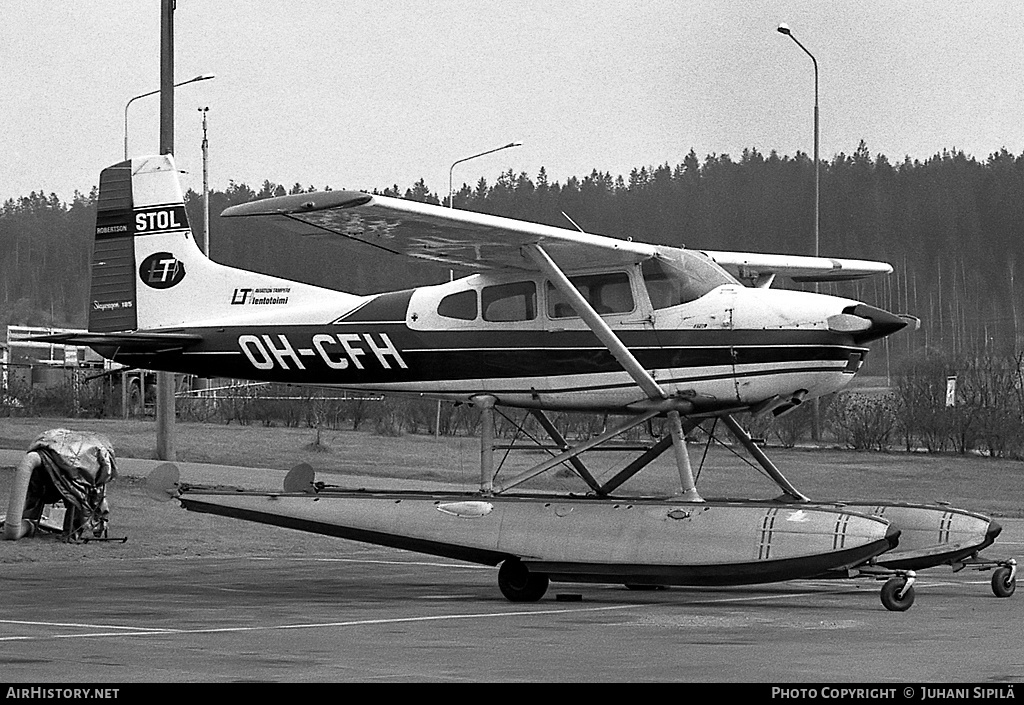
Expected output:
(518, 584)
(895, 597)
(1002, 584)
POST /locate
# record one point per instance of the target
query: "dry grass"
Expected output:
(162, 531)
(987, 485)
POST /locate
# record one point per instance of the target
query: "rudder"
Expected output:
(112, 306)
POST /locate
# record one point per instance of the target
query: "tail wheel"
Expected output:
(518, 584)
(1002, 584)
(895, 597)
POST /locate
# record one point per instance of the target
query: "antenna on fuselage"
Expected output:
(628, 239)
(574, 223)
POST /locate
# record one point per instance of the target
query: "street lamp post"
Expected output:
(784, 29)
(201, 77)
(451, 203)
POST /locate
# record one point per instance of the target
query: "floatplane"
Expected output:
(551, 319)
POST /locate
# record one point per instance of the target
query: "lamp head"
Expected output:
(784, 29)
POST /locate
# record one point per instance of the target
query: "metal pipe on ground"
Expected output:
(15, 526)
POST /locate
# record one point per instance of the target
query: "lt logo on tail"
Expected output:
(161, 270)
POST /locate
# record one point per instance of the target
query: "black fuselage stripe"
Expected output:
(374, 354)
(395, 377)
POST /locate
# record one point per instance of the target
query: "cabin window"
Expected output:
(607, 293)
(509, 302)
(461, 305)
(674, 282)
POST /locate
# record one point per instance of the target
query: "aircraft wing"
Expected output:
(762, 267)
(456, 238)
(478, 241)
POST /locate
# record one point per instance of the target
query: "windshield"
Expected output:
(683, 279)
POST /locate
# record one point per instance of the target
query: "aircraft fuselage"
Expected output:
(729, 348)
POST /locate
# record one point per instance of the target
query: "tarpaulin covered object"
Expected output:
(74, 466)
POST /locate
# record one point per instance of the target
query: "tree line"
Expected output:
(951, 226)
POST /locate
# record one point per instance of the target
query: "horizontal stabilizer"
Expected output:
(299, 203)
(140, 342)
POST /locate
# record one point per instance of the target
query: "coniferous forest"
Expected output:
(952, 226)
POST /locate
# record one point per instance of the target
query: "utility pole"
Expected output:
(204, 245)
(165, 380)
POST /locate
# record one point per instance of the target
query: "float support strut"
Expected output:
(652, 454)
(686, 481)
(486, 404)
(573, 452)
(769, 467)
(557, 437)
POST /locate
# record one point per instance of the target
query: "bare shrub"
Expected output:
(387, 419)
(863, 422)
(791, 427)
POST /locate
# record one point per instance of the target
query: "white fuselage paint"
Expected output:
(261, 325)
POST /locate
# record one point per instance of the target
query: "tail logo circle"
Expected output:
(161, 270)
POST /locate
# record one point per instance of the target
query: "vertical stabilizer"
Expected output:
(148, 273)
(144, 245)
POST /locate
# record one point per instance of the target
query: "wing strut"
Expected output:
(597, 324)
(625, 358)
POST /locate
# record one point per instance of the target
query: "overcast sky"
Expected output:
(363, 94)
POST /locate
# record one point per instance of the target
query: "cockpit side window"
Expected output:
(461, 306)
(670, 283)
(509, 302)
(607, 293)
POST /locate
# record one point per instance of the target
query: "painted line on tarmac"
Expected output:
(291, 559)
(377, 561)
(71, 624)
(28, 623)
(765, 598)
(144, 631)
